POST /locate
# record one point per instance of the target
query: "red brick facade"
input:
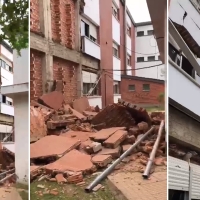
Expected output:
(139, 96)
(67, 72)
(35, 74)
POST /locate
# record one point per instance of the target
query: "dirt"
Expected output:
(72, 192)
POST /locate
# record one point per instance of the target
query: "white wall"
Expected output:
(21, 68)
(92, 28)
(91, 11)
(95, 101)
(147, 46)
(116, 2)
(22, 137)
(115, 30)
(116, 97)
(91, 48)
(7, 109)
(6, 53)
(6, 77)
(129, 72)
(176, 13)
(128, 20)
(129, 45)
(116, 66)
(183, 90)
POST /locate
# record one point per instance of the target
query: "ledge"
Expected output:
(14, 90)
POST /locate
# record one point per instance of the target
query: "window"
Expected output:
(140, 59)
(6, 135)
(128, 30)
(87, 87)
(146, 87)
(9, 103)
(151, 58)
(115, 50)
(7, 67)
(3, 99)
(3, 64)
(116, 89)
(150, 32)
(10, 69)
(131, 87)
(115, 11)
(92, 38)
(129, 60)
(87, 30)
(140, 33)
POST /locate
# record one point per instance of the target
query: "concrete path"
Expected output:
(9, 194)
(134, 187)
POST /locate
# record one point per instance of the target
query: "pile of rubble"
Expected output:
(70, 141)
(7, 166)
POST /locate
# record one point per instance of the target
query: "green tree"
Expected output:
(14, 23)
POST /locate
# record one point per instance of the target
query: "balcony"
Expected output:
(115, 30)
(7, 109)
(116, 66)
(188, 94)
(91, 48)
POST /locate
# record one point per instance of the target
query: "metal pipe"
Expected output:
(7, 177)
(153, 153)
(12, 170)
(106, 172)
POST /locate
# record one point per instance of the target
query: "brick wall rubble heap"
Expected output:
(77, 131)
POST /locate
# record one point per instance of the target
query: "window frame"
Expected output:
(146, 90)
(131, 90)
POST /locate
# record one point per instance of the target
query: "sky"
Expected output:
(138, 10)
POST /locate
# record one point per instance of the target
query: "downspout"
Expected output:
(125, 39)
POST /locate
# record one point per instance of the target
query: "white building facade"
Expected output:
(19, 92)
(184, 94)
(146, 42)
(6, 103)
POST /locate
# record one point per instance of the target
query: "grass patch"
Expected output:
(24, 195)
(69, 191)
(23, 190)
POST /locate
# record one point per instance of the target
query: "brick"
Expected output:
(74, 112)
(53, 100)
(54, 146)
(139, 96)
(130, 139)
(102, 160)
(116, 139)
(91, 147)
(60, 178)
(75, 178)
(114, 116)
(58, 124)
(134, 131)
(115, 153)
(105, 134)
(143, 127)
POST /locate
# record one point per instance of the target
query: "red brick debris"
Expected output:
(7, 166)
(70, 141)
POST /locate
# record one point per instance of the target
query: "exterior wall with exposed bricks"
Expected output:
(139, 96)
(183, 127)
(34, 16)
(63, 22)
(35, 74)
(67, 72)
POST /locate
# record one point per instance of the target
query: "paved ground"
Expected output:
(9, 194)
(133, 187)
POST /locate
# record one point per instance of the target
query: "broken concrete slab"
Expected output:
(81, 104)
(130, 139)
(79, 135)
(115, 153)
(60, 178)
(91, 147)
(75, 178)
(114, 115)
(102, 160)
(104, 134)
(115, 139)
(74, 161)
(52, 146)
(53, 100)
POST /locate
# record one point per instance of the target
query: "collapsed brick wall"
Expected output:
(183, 127)
(139, 96)
(63, 22)
(34, 16)
(67, 72)
(35, 74)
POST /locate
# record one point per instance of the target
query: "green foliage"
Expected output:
(14, 23)
(161, 97)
